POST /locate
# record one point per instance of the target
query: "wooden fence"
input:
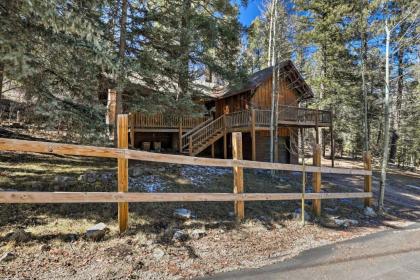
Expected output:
(123, 197)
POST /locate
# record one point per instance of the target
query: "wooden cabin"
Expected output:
(246, 109)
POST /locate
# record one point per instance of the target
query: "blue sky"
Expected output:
(250, 12)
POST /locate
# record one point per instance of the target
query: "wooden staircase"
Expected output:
(198, 139)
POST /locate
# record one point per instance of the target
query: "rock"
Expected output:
(158, 253)
(137, 171)
(8, 256)
(183, 213)
(161, 169)
(19, 236)
(345, 223)
(369, 212)
(198, 233)
(180, 235)
(297, 215)
(231, 214)
(96, 232)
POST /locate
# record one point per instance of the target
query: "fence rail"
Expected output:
(92, 151)
(123, 197)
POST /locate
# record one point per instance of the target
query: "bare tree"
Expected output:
(386, 122)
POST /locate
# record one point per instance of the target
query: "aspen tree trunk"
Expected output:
(273, 85)
(121, 55)
(385, 155)
(363, 56)
(270, 33)
(396, 119)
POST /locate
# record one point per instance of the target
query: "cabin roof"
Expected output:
(287, 68)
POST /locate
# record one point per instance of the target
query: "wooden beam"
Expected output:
(212, 150)
(190, 145)
(92, 151)
(116, 197)
(123, 171)
(238, 175)
(367, 160)
(225, 145)
(253, 136)
(316, 181)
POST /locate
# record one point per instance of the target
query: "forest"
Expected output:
(61, 55)
(61, 59)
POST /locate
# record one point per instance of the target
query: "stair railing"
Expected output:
(185, 137)
(201, 136)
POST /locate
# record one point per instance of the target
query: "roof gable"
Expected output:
(287, 70)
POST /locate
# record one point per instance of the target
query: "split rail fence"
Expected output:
(123, 197)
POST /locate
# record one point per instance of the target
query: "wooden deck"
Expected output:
(198, 133)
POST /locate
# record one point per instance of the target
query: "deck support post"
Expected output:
(253, 136)
(122, 171)
(316, 181)
(224, 138)
(190, 145)
(180, 135)
(367, 160)
(238, 175)
(316, 127)
(212, 150)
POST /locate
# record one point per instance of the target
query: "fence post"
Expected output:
(238, 174)
(367, 160)
(316, 181)
(123, 171)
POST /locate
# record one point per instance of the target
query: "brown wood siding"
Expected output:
(262, 97)
(234, 103)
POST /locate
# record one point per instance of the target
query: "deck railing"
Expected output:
(234, 120)
(301, 115)
(165, 121)
(238, 119)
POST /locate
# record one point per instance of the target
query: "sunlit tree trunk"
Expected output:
(385, 147)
